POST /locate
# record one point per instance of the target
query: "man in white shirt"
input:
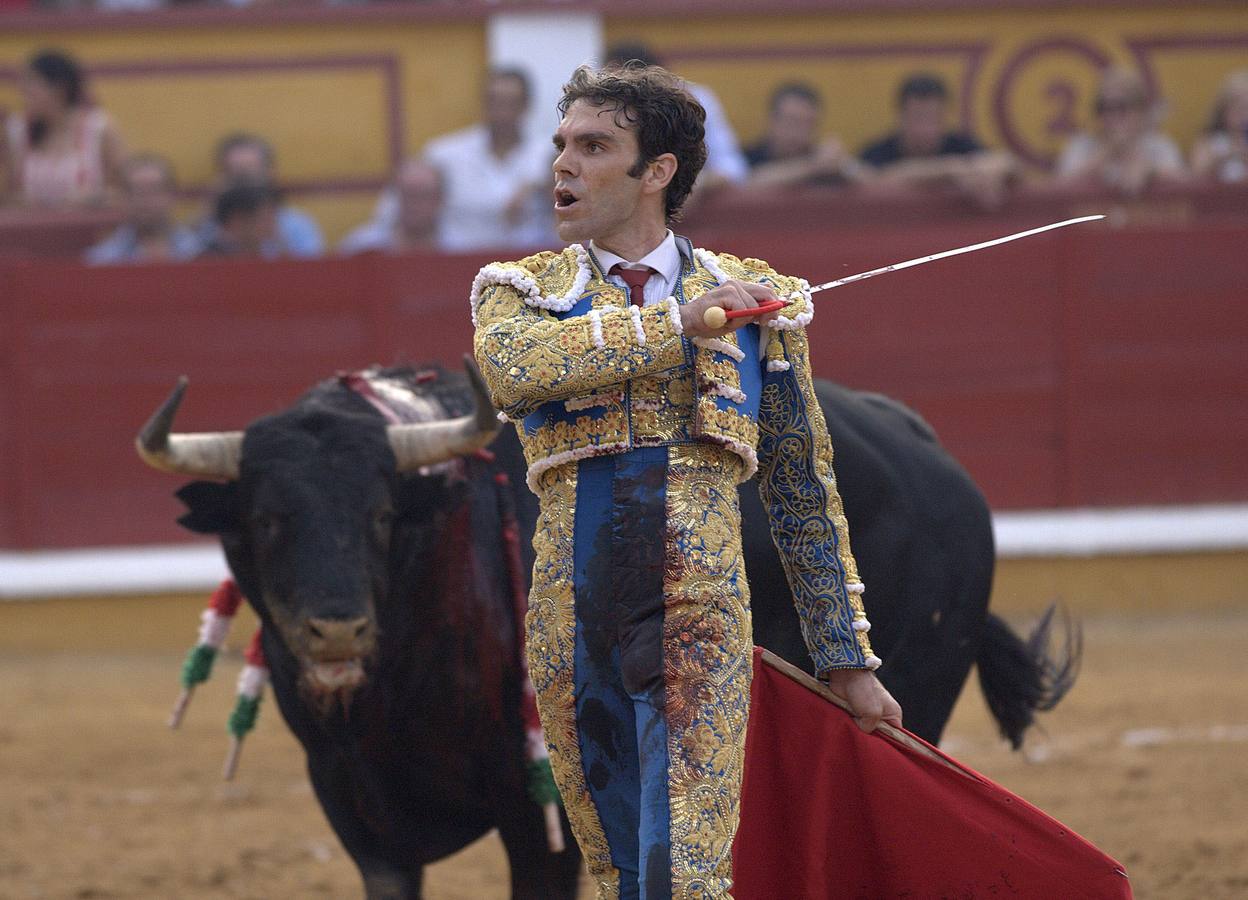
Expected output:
(495, 179)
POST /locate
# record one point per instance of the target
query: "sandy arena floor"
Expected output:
(1148, 758)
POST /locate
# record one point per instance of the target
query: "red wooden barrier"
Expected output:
(1097, 367)
(33, 233)
(1092, 366)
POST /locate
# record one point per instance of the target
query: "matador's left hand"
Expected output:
(869, 701)
(730, 295)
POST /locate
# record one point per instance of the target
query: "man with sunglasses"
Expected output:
(1126, 153)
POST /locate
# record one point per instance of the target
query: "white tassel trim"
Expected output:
(862, 625)
(783, 323)
(855, 587)
(715, 344)
(595, 328)
(673, 313)
(710, 262)
(638, 329)
(874, 662)
(654, 405)
(214, 628)
(720, 389)
(527, 286)
(495, 274)
(503, 417)
(745, 451)
(251, 681)
(802, 319)
(591, 400)
(595, 324)
(567, 456)
(778, 365)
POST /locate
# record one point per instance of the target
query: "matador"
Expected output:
(638, 422)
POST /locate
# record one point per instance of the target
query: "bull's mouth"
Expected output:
(336, 675)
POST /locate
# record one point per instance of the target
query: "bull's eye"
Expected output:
(382, 520)
(265, 526)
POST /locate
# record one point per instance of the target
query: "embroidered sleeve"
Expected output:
(529, 356)
(798, 489)
(799, 308)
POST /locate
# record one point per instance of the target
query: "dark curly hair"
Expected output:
(62, 72)
(659, 109)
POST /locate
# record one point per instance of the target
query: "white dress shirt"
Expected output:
(665, 260)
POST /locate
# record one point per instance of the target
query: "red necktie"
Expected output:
(635, 279)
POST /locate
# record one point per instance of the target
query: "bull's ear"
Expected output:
(210, 507)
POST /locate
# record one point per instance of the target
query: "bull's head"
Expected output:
(306, 515)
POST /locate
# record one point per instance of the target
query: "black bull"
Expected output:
(392, 640)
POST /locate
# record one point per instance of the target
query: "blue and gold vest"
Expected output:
(572, 396)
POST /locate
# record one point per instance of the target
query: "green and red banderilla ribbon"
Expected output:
(214, 628)
(215, 622)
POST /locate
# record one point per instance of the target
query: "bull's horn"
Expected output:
(211, 454)
(429, 443)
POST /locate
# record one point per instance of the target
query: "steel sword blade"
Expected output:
(895, 267)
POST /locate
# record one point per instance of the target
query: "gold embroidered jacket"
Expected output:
(583, 373)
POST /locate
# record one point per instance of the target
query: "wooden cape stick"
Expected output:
(892, 733)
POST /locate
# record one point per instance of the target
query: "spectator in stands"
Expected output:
(418, 192)
(245, 216)
(1221, 154)
(791, 152)
(62, 150)
(243, 157)
(496, 181)
(149, 232)
(1127, 153)
(725, 164)
(924, 152)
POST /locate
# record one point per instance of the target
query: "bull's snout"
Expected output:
(336, 650)
(339, 639)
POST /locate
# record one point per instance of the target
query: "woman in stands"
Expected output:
(62, 150)
(1221, 154)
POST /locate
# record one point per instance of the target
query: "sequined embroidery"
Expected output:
(529, 356)
(798, 488)
(534, 360)
(707, 640)
(550, 628)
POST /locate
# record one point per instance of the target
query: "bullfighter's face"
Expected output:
(602, 188)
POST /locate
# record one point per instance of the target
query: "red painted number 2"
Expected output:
(1063, 97)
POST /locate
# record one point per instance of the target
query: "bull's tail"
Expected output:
(1020, 678)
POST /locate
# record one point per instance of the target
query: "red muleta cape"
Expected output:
(828, 811)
